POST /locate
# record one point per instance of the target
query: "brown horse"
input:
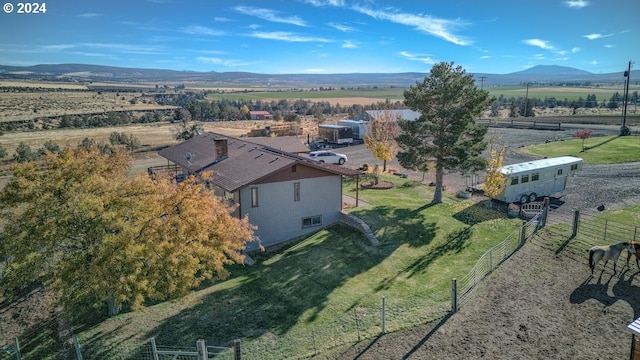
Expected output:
(608, 252)
(636, 247)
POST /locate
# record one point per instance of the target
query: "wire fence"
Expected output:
(360, 322)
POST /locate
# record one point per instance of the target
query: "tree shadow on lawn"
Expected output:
(294, 284)
(281, 290)
(296, 281)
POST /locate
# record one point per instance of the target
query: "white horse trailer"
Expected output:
(529, 180)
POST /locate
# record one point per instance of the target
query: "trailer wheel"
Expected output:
(533, 197)
(524, 199)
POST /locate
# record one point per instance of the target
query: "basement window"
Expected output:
(312, 221)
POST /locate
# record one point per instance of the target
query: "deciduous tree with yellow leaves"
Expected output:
(494, 180)
(380, 138)
(80, 225)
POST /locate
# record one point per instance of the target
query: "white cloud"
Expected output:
(89, 15)
(593, 62)
(269, 15)
(219, 61)
(221, 19)
(609, 46)
(342, 27)
(485, 57)
(594, 36)
(440, 28)
(575, 50)
(201, 30)
(601, 36)
(539, 43)
(286, 36)
(348, 44)
(425, 59)
(578, 4)
(314, 70)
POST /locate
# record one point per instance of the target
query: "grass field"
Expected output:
(597, 150)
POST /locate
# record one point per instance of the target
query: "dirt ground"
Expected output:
(535, 306)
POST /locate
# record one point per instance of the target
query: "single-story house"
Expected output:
(260, 115)
(284, 195)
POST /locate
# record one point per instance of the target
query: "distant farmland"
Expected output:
(397, 94)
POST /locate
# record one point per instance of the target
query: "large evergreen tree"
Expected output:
(445, 132)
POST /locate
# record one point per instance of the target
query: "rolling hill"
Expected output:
(550, 74)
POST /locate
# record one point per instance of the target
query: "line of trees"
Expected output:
(521, 106)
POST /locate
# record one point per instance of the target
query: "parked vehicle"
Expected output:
(529, 180)
(329, 157)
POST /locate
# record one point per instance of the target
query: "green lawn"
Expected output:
(326, 291)
(598, 150)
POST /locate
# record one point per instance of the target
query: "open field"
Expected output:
(558, 92)
(30, 105)
(393, 94)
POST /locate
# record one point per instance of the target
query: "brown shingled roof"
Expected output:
(246, 163)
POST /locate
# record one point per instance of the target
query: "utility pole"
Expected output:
(627, 74)
(526, 101)
(482, 79)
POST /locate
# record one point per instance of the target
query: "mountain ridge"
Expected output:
(91, 72)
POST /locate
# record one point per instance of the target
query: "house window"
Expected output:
(254, 197)
(514, 181)
(535, 177)
(525, 179)
(574, 167)
(294, 168)
(312, 221)
(559, 172)
(296, 191)
(229, 196)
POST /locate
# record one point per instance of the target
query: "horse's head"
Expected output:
(631, 247)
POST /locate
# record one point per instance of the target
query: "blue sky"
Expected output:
(326, 36)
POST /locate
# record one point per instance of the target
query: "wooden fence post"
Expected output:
(545, 212)
(523, 232)
(576, 220)
(384, 320)
(237, 354)
(202, 350)
(454, 296)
